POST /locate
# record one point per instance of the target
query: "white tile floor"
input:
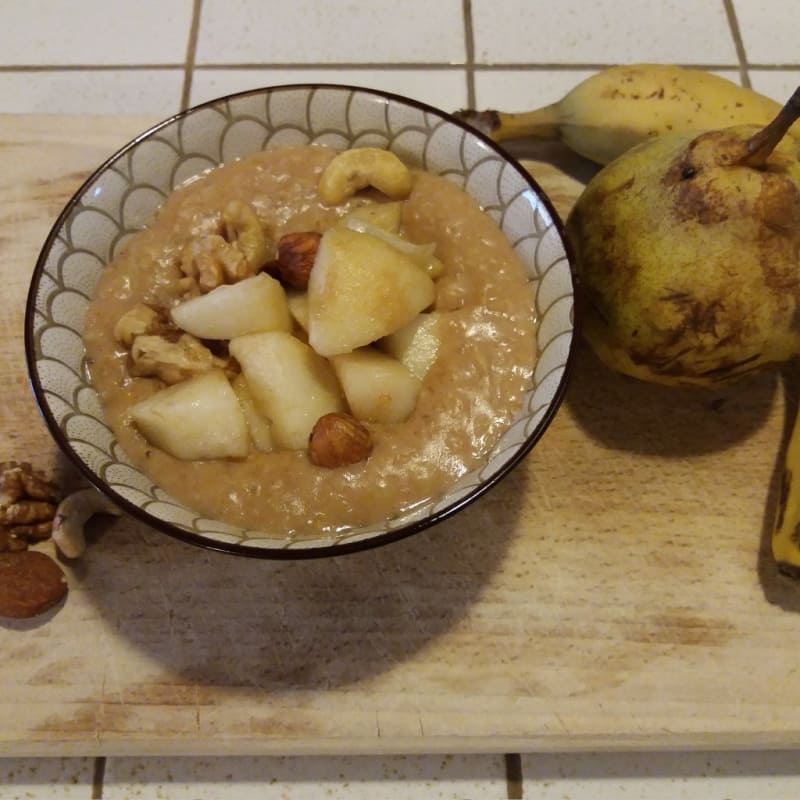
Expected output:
(377, 32)
(154, 57)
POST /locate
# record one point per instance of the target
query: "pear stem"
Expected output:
(766, 140)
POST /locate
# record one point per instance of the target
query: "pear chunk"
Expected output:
(378, 388)
(361, 289)
(197, 419)
(290, 384)
(298, 308)
(415, 345)
(385, 216)
(423, 254)
(249, 306)
(257, 424)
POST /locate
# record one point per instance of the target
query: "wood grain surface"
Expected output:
(614, 592)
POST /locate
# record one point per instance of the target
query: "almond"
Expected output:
(30, 583)
(338, 439)
(296, 254)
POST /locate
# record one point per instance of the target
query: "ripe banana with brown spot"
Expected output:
(786, 528)
(619, 107)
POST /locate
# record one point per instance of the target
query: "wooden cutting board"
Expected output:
(615, 591)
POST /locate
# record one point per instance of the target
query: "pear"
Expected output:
(386, 216)
(416, 345)
(378, 388)
(360, 290)
(250, 306)
(687, 250)
(257, 424)
(291, 386)
(196, 419)
(687, 253)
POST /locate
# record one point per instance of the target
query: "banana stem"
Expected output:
(542, 123)
(766, 140)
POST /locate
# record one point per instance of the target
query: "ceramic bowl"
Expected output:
(125, 191)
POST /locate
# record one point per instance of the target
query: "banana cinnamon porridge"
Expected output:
(298, 366)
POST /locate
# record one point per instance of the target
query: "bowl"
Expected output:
(125, 191)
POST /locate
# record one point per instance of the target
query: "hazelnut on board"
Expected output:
(296, 254)
(337, 440)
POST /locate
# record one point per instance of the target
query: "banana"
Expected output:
(786, 529)
(619, 107)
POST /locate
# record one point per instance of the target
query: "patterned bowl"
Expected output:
(123, 194)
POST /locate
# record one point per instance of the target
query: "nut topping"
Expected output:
(353, 170)
(296, 254)
(30, 583)
(338, 439)
(27, 506)
(172, 362)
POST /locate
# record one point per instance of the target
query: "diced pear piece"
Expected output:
(291, 385)
(415, 345)
(199, 418)
(360, 290)
(378, 388)
(251, 305)
(423, 254)
(298, 308)
(386, 216)
(257, 424)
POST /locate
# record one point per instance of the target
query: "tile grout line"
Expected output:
(469, 51)
(363, 65)
(738, 42)
(98, 774)
(541, 66)
(191, 52)
(378, 66)
(89, 67)
(513, 764)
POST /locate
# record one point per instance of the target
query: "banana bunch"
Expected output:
(619, 107)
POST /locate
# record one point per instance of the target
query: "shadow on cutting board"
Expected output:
(633, 416)
(674, 427)
(218, 620)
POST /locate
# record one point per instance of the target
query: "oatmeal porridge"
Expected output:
(482, 303)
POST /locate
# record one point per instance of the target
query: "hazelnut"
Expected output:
(338, 439)
(296, 254)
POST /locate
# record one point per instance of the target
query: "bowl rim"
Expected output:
(287, 553)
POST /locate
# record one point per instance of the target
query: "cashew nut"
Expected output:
(361, 167)
(242, 228)
(72, 514)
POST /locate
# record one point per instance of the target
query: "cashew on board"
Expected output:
(72, 514)
(361, 167)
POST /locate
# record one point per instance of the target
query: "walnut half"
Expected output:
(172, 362)
(27, 506)
(138, 321)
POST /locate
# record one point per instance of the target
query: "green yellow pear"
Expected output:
(688, 254)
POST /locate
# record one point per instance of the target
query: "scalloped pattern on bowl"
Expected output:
(123, 194)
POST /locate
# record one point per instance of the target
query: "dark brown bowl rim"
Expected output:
(288, 552)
